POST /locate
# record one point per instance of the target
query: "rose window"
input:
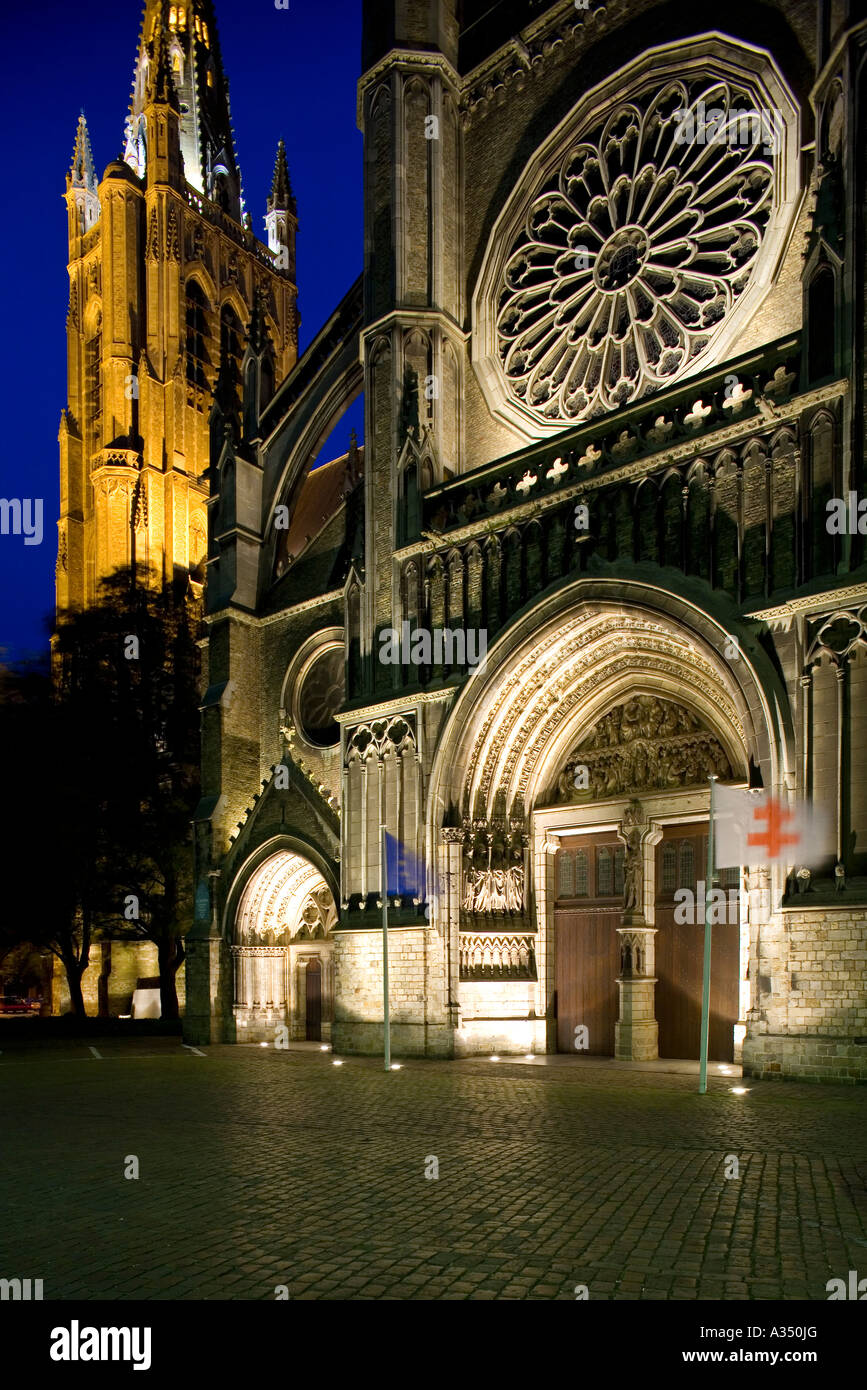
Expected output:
(625, 265)
(321, 696)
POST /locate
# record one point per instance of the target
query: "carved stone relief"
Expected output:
(494, 867)
(644, 744)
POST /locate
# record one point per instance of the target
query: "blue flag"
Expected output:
(404, 870)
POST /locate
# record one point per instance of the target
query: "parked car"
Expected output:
(14, 1004)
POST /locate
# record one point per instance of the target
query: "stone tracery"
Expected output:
(632, 254)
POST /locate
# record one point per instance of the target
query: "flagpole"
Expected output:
(384, 882)
(705, 983)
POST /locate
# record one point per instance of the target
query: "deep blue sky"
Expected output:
(291, 73)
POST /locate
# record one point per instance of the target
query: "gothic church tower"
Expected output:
(165, 273)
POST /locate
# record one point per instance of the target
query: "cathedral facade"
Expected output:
(603, 542)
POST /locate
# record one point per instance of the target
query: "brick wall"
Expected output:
(416, 992)
(819, 998)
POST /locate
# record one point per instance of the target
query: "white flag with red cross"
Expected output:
(752, 828)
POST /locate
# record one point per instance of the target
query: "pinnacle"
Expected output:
(257, 332)
(82, 174)
(282, 198)
(163, 87)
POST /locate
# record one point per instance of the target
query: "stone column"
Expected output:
(451, 848)
(636, 1033)
(546, 945)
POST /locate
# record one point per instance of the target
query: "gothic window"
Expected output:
(320, 696)
(619, 861)
(647, 536)
(670, 520)
(93, 381)
(821, 313)
(698, 525)
(604, 879)
(197, 334)
(581, 874)
(231, 349)
(626, 257)
(669, 868)
(267, 381)
(822, 489)
(141, 148)
(687, 865)
(566, 865)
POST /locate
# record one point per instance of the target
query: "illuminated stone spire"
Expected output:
(82, 173)
(282, 198)
(179, 60)
(81, 181)
(281, 219)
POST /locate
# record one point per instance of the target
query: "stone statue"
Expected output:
(632, 833)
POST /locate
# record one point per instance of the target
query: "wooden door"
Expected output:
(313, 987)
(587, 912)
(681, 857)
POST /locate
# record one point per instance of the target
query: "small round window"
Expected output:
(320, 697)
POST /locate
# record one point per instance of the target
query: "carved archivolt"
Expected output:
(285, 900)
(645, 744)
(628, 248)
(542, 692)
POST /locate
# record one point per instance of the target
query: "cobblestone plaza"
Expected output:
(262, 1168)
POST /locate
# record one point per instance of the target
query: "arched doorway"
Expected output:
(281, 939)
(644, 673)
(313, 1000)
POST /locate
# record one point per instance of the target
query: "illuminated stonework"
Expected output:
(660, 598)
(630, 245)
(282, 928)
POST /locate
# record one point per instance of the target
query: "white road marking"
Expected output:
(197, 1050)
(96, 1054)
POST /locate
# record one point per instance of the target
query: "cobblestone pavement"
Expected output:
(261, 1168)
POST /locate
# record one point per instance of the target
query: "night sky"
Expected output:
(292, 73)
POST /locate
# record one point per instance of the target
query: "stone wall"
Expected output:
(818, 998)
(416, 974)
(497, 1016)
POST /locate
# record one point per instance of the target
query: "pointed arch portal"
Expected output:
(281, 930)
(650, 694)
